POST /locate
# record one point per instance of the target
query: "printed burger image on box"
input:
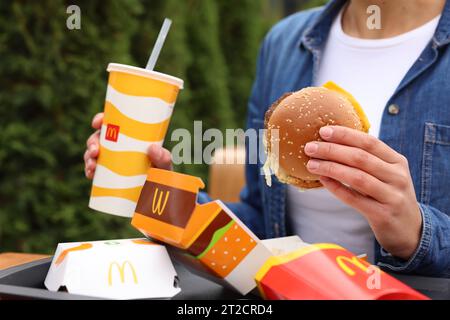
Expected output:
(208, 238)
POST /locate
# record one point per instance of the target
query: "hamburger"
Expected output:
(295, 119)
(219, 247)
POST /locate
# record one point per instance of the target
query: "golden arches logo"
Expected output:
(156, 205)
(121, 269)
(343, 262)
(112, 132)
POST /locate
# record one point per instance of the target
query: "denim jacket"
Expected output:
(288, 61)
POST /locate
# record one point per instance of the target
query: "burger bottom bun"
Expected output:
(272, 165)
(300, 183)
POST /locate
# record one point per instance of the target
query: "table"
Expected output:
(11, 259)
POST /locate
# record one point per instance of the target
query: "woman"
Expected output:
(386, 194)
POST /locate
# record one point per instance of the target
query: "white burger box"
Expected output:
(113, 269)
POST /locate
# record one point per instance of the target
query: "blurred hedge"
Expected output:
(53, 80)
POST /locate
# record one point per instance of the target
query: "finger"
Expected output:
(88, 173)
(160, 157)
(366, 206)
(93, 150)
(358, 180)
(167, 160)
(86, 155)
(89, 168)
(358, 139)
(93, 139)
(97, 120)
(351, 156)
(91, 164)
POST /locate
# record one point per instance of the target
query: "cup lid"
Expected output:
(145, 73)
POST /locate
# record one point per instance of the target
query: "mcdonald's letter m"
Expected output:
(112, 132)
(121, 268)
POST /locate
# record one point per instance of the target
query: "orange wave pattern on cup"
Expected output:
(138, 108)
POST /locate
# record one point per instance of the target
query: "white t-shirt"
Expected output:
(370, 70)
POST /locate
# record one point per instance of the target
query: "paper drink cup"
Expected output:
(138, 109)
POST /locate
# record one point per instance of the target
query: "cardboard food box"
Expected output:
(284, 245)
(208, 237)
(113, 269)
(328, 271)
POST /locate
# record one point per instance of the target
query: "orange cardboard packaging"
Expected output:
(207, 237)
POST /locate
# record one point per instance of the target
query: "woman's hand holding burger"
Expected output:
(322, 140)
(369, 176)
(159, 156)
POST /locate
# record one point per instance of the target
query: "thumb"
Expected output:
(97, 120)
(160, 157)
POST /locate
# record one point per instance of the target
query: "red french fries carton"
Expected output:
(328, 272)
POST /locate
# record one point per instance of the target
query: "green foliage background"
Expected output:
(53, 80)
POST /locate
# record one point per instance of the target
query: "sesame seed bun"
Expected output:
(295, 119)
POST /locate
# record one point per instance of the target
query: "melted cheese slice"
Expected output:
(359, 110)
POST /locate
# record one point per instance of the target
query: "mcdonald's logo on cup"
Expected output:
(121, 269)
(156, 204)
(112, 132)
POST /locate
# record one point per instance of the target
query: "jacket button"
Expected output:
(393, 109)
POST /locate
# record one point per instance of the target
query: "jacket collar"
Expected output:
(442, 34)
(315, 36)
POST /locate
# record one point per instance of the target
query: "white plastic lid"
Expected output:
(145, 73)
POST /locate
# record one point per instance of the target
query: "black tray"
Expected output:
(27, 282)
(434, 288)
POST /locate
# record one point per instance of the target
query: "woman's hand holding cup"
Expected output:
(159, 157)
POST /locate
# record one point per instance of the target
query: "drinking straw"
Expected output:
(159, 44)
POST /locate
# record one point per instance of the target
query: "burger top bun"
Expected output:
(297, 118)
